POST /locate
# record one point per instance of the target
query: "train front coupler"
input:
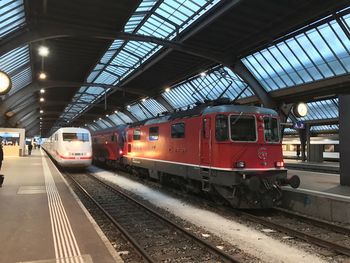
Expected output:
(293, 181)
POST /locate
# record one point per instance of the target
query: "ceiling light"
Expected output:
(167, 89)
(41, 118)
(42, 75)
(115, 111)
(94, 120)
(107, 115)
(41, 111)
(128, 106)
(100, 118)
(42, 99)
(203, 74)
(43, 51)
(5, 83)
(42, 91)
(143, 100)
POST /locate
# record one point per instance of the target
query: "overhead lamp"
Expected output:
(41, 118)
(128, 106)
(94, 120)
(41, 111)
(42, 99)
(300, 109)
(203, 74)
(107, 115)
(42, 75)
(43, 51)
(100, 118)
(167, 89)
(143, 100)
(115, 111)
(42, 91)
(5, 83)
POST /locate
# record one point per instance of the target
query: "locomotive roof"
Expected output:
(205, 109)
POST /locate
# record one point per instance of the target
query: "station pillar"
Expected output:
(344, 139)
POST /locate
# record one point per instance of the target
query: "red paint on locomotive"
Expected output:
(232, 150)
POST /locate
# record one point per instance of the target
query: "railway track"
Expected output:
(317, 232)
(154, 237)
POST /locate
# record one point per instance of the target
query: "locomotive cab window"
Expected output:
(153, 133)
(75, 136)
(137, 134)
(271, 129)
(178, 130)
(243, 128)
(221, 127)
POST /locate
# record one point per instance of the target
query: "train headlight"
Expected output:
(279, 164)
(240, 164)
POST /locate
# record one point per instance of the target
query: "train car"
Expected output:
(231, 150)
(108, 146)
(330, 145)
(70, 147)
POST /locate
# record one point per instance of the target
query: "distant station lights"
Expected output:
(43, 51)
(203, 74)
(42, 91)
(300, 109)
(41, 111)
(5, 83)
(167, 89)
(42, 99)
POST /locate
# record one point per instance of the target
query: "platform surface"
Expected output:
(41, 220)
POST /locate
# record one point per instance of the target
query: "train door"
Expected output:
(205, 154)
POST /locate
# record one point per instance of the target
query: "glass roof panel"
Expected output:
(139, 111)
(101, 124)
(324, 109)
(16, 63)
(323, 128)
(153, 106)
(12, 16)
(319, 53)
(164, 19)
(219, 82)
(116, 119)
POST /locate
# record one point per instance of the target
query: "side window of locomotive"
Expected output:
(137, 134)
(153, 133)
(271, 129)
(221, 127)
(178, 130)
(243, 128)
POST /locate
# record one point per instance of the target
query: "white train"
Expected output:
(70, 147)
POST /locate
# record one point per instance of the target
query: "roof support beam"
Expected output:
(14, 120)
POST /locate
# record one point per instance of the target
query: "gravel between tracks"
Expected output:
(247, 239)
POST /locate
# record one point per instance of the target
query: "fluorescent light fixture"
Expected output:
(43, 51)
(42, 99)
(42, 91)
(42, 75)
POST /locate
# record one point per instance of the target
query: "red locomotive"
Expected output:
(234, 151)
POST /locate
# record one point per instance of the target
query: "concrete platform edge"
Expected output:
(324, 206)
(103, 237)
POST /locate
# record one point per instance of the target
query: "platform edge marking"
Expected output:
(61, 229)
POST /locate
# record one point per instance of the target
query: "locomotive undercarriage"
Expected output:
(240, 190)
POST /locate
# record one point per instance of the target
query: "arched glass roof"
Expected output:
(12, 16)
(163, 19)
(318, 53)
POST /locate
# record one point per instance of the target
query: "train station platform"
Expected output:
(319, 195)
(325, 167)
(42, 221)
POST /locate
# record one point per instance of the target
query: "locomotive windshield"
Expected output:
(271, 129)
(243, 128)
(75, 136)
